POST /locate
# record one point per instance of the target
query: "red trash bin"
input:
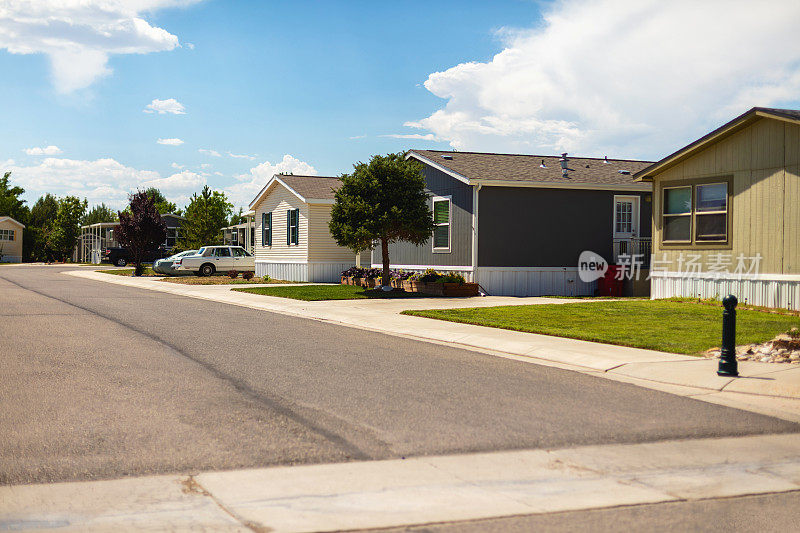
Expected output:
(609, 285)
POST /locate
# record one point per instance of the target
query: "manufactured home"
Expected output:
(727, 212)
(10, 240)
(517, 224)
(291, 225)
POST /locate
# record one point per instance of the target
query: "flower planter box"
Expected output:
(368, 283)
(459, 289)
(347, 280)
(356, 281)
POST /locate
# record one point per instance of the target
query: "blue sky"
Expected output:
(317, 86)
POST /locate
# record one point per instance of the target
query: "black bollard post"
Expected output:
(727, 359)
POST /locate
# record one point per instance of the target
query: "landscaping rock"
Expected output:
(785, 348)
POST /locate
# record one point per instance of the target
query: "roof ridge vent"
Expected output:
(564, 168)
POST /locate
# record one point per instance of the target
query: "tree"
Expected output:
(383, 200)
(63, 235)
(162, 204)
(141, 228)
(40, 222)
(206, 214)
(99, 213)
(10, 202)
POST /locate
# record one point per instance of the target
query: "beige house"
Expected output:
(10, 240)
(726, 213)
(292, 240)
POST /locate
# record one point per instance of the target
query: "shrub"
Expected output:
(428, 276)
(233, 274)
(451, 277)
(247, 275)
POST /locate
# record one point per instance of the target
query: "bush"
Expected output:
(451, 277)
(233, 274)
(428, 276)
(248, 275)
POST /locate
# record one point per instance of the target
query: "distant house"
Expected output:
(10, 240)
(95, 238)
(727, 212)
(517, 224)
(292, 237)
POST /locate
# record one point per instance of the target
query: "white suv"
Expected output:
(211, 259)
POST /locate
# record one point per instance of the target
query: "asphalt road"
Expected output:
(102, 380)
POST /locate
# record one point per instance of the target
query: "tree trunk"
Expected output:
(385, 251)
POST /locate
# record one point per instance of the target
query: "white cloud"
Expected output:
(101, 180)
(242, 156)
(162, 107)
(212, 153)
(635, 79)
(242, 193)
(78, 36)
(46, 150)
(186, 180)
(418, 136)
(357, 137)
(190, 46)
(205, 165)
(170, 142)
(176, 166)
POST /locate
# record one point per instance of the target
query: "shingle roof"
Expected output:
(312, 187)
(535, 168)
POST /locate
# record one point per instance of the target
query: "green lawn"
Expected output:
(148, 272)
(668, 326)
(313, 293)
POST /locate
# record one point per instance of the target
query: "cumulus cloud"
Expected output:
(212, 153)
(242, 193)
(78, 36)
(45, 150)
(186, 180)
(625, 78)
(162, 107)
(100, 180)
(176, 166)
(170, 142)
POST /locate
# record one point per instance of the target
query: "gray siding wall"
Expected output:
(528, 227)
(440, 184)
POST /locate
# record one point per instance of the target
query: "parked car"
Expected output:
(166, 265)
(122, 256)
(211, 259)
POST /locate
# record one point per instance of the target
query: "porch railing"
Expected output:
(641, 247)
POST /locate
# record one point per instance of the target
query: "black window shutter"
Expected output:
(288, 227)
(264, 229)
(269, 228)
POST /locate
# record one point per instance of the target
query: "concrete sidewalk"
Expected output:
(380, 494)
(771, 389)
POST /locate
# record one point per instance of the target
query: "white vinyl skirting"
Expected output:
(533, 281)
(777, 291)
(313, 272)
(11, 259)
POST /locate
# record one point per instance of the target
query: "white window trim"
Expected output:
(449, 224)
(690, 214)
(635, 215)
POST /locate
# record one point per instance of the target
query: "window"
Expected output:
(696, 213)
(711, 212)
(222, 252)
(6, 234)
(266, 229)
(441, 220)
(292, 226)
(678, 214)
(624, 216)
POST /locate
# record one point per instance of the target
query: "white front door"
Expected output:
(626, 217)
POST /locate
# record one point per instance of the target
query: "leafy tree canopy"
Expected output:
(44, 211)
(141, 228)
(10, 202)
(163, 205)
(99, 213)
(206, 214)
(64, 232)
(383, 200)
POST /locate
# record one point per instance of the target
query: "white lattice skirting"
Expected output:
(769, 290)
